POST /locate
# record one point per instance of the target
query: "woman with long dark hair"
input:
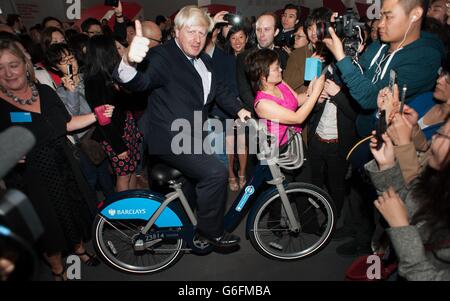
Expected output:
(121, 138)
(236, 40)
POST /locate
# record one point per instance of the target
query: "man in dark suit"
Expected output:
(182, 85)
(266, 31)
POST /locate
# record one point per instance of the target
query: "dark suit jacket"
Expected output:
(225, 65)
(346, 115)
(176, 93)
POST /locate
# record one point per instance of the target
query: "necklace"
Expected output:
(30, 101)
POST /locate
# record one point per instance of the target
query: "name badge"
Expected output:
(21, 117)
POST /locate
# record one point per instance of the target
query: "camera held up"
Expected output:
(348, 28)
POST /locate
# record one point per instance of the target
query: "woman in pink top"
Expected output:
(275, 101)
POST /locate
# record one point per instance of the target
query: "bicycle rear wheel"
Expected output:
(114, 241)
(315, 214)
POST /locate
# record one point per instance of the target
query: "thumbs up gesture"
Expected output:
(139, 46)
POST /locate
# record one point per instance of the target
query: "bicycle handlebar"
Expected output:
(266, 140)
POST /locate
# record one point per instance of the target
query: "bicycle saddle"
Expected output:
(162, 174)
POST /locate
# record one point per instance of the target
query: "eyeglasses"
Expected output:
(95, 33)
(155, 40)
(445, 74)
(299, 36)
(67, 60)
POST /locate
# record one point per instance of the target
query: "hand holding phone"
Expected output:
(392, 80)
(380, 129)
(403, 97)
(70, 71)
(113, 3)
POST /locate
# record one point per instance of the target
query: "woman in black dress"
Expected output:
(49, 176)
(121, 138)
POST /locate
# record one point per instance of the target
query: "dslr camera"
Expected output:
(348, 28)
(288, 41)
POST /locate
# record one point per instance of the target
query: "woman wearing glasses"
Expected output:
(295, 70)
(72, 94)
(434, 107)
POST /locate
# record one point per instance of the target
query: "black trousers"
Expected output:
(208, 177)
(329, 169)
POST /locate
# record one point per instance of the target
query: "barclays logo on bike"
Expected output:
(114, 212)
(249, 190)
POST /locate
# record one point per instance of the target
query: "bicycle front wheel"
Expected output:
(114, 241)
(314, 212)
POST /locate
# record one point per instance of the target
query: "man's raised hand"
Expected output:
(139, 46)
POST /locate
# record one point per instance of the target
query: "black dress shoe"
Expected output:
(352, 249)
(343, 233)
(224, 241)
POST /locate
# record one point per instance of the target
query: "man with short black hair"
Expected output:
(52, 22)
(289, 19)
(437, 11)
(15, 21)
(414, 55)
(92, 27)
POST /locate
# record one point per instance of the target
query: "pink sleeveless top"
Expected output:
(289, 101)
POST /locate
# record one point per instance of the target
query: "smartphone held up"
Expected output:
(113, 3)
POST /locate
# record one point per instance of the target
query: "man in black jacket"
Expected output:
(182, 85)
(331, 135)
(266, 31)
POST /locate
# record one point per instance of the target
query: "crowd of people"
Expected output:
(145, 75)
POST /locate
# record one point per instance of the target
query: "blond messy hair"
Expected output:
(193, 16)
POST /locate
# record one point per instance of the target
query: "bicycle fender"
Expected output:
(139, 205)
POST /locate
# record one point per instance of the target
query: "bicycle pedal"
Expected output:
(112, 248)
(276, 246)
(201, 244)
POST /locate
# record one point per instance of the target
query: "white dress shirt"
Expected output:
(127, 73)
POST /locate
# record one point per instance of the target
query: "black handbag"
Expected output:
(92, 148)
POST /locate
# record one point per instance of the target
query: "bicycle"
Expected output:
(144, 232)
